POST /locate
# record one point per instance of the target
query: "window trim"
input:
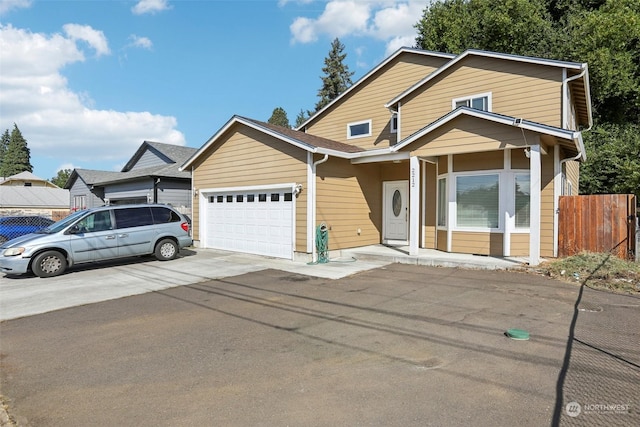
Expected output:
(506, 201)
(454, 101)
(392, 128)
(361, 122)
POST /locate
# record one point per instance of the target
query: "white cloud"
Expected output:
(7, 5)
(93, 38)
(150, 6)
(58, 123)
(142, 42)
(390, 21)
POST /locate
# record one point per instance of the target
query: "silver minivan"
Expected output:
(97, 234)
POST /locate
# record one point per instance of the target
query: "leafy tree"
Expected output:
(61, 178)
(608, 39)
(4, 143)
(17, 156)
(279, 117)
(520, 27)
(613, 154)
(337, 77)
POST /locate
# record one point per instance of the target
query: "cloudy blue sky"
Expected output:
(88, 81)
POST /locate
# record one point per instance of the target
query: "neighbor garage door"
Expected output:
(257, 222)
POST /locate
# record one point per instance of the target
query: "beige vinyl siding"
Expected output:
(477, 243)
(471, 135)
(441, 243)
(367, 102)
(529, 91)
(478, 161)
(348, 198)
(519, 160)
(572, 172)
(443, 164)
(430, 205)
(547, 214)
(240, 160)
(520, 244)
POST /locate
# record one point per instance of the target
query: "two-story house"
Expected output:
(462, 153)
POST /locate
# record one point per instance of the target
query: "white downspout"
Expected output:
(312, 195)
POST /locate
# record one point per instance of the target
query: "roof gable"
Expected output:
(499, 119)
(367, 78)
(472, 52)
(302, 140)
(157, 154)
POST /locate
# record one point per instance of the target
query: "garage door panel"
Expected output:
(252, 222)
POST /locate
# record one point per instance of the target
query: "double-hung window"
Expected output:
(359, 129)
(479, 102)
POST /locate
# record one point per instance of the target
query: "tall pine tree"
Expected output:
(337, 77)
(279, 117)
(4, 143)
(17, 156)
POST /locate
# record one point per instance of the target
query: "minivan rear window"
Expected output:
(164, 215)
(133, 217)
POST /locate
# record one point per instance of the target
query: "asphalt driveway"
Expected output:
(394, 346)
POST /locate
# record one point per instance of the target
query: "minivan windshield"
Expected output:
(62, 224)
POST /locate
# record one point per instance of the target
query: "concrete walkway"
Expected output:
(432, 257)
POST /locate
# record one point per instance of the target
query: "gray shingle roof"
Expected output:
(33, 197)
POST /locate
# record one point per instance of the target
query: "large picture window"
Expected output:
(477, 201)
(522, 198)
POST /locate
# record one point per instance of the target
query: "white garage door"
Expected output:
(257, 222)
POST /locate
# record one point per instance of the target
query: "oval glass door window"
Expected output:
(397, 203)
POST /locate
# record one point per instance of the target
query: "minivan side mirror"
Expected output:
(74, 229)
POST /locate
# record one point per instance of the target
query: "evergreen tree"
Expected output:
(4, 143)
(61, 178)
(337, 77)
(301, 118)
(17, 156)
(279, 117)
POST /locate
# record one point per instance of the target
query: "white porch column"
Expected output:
(535, 167)
(414, 205)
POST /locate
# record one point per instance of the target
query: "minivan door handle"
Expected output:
(110, 237)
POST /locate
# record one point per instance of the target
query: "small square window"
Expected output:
(211, 199)
(288, 197)
(239, 198)
(251, 198)
(220, 199)
(262, 197)
(275, 197)
(229, 199)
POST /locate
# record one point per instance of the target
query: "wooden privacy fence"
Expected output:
(598, 223)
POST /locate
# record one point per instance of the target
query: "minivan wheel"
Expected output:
(49, 264)
(166, 249)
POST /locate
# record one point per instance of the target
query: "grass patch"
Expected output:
(597, 270)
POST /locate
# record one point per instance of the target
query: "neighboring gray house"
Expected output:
(27, 194)
(150, 176)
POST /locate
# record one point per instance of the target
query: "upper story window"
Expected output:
(394, 123)
(359, 129)
(479, 102)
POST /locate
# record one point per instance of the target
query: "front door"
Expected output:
(396, 212)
